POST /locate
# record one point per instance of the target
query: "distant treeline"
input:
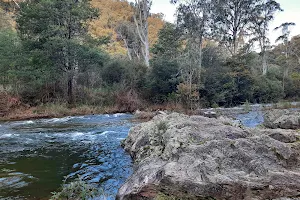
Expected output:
(48, 54)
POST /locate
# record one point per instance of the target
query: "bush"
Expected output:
(162, 80)
(266, 90)
(113, 72)
(128, 101)
(292, 86)
(77, 190)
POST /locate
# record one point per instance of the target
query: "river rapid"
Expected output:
(37, 155)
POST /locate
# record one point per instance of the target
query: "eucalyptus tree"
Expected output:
(57, 29)
(194, 18)
(284, 38)
(232, 20)
(127, 32)
(141, 15)
(261, 17)
(295, 48)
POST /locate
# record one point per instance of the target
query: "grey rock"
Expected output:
(282, 135)
(194, 157)
(210, 114)
(285, 119)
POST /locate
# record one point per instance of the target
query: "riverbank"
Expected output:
(53, 110)
(59, 110)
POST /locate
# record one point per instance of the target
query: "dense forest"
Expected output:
(112, 53)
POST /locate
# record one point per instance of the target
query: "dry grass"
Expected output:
(54, 110)
(8, 103)
(126, 102)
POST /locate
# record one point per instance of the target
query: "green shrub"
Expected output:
(77, 190)
(113, 72)
(267, 90)
(247, 106)
(162, 80)
(162, 126)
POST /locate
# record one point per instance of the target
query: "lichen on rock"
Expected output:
(194, 157)
(282, 118)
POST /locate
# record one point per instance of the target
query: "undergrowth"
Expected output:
(77, 190)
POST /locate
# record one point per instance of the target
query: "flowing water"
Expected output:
(251, 119)
(37, 155)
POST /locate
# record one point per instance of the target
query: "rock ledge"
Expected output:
(194, 157)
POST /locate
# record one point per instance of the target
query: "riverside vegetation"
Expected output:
(109, 56)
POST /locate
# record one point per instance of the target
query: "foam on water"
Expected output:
(107, 132)
(58, 120)
(119, 114)
(8, 135)
(51, 149)
(24, 122)
(77, 134)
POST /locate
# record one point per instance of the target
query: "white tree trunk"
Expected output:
(147, 53)
(128, 50)
(264, 63)
(142, 28)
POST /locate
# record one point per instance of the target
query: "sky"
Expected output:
(291, 13)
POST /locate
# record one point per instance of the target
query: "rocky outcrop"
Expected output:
(285, 119)
(194, 157)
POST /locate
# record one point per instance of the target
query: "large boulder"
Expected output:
(285, 119)
(194, 157)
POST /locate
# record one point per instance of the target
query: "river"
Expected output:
(37, 155)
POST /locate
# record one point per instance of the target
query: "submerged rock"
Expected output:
(285, 119)
(201, 158)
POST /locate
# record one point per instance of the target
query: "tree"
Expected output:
(168, 44)
(57, 29)
(141, 15)
(285, 30)
(193, 16)
(10, 48)
(162, 79)
(261, 17)
(127, 33)
(232, 19)
(295, 48)
(193, 19)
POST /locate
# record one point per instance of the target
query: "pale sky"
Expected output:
(291, 13)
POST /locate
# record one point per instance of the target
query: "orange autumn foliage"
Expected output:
(155, 24)
(111, 14)
(114, 12)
